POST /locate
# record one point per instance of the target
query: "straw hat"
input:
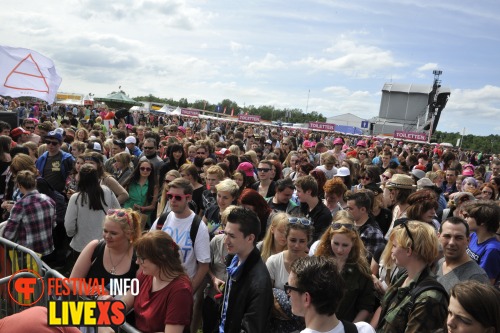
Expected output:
(401, 181)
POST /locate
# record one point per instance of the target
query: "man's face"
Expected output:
(303, 195)
(130, 146)
(264, 171)
(53, 146)
(451, 177)
(385, 159)
(212, 180)
(178, 206)
(202, 152)
(284, 196)
(453, 241)
(29, 126)
(387, 149)
(296, 297)
(5, 132)
(235, 241)
(115, 149)
(495, 169)
(149, 148)
(356, 212)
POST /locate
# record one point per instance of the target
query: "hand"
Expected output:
(137, 207)
(7, 205)
(218, 283)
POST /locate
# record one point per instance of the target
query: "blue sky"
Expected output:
(272, 52)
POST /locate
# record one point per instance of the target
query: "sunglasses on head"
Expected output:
(120, 213)
(404, 225)
(177, 197)
(300, 220)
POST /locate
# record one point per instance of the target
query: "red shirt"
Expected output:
(171, 305)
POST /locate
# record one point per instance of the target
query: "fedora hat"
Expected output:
(401, 181)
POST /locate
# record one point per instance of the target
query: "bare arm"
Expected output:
(200, 275)
(362, 315)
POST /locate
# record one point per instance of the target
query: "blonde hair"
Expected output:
(235, 150)
(278, 220)
(130, 222)
(163, 199)
(425, 243)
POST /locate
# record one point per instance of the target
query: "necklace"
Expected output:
(113, 266)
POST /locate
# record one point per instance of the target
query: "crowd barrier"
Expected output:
(16, 262)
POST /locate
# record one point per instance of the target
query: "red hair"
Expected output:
(252, 198)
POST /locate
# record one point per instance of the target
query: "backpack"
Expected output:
(428, 283)
(58, 197)
(195, 225)
(349, 327)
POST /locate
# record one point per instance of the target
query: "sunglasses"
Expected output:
(337, 226)
(365, 178)
(145, 169)
(486, 192)
(288, 288)
(120, 213)
(362, 154)
(29, 128)
(53, 143)
(263, 169)
(148, 148)
(200, 153)
(301, 220)
(405, 225)
(177, 197)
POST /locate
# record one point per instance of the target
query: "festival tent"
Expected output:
(118, 100)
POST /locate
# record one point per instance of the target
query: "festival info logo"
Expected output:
(62, 312)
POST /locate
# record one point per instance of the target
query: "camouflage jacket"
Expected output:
(428, 314)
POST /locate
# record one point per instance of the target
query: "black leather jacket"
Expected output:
(250, 298)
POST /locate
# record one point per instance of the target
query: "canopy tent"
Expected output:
(138, 109)
(117, 100)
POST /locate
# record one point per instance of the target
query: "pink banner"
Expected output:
(410, 136)
(314, 125)
(188, 112)
(253, 119)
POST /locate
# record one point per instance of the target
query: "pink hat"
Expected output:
(468, 170)
(182, 129)
(338, 141)
(247, 168)
(361, 143)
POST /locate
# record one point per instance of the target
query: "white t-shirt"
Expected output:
(361, 326)
(179, 230)
(276, 267)
(313, 248)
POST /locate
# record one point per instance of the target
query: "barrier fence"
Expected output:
(17, 262)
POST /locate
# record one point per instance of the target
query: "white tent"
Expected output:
(176, 112)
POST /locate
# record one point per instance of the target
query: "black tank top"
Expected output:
(97, 269)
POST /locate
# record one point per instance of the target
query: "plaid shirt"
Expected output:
(31, 222)
(372, 237)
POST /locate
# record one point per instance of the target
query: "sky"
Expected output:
(328, 56)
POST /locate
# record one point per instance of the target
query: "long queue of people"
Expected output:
(233, 227)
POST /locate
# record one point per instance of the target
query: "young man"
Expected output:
(450, 184)
(178, 225)
(456, 265)
(359, 205)
(248, 294)
(265, 186)
(312, 206)
(214, 175)
(315, 288)
(483, 220)
(282, 200)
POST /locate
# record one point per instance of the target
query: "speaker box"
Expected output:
(10, 117)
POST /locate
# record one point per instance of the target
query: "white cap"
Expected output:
(343, 172)
(97, 146)
(130, 139)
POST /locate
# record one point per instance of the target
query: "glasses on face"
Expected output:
(288, 289)
(177, 197)
(337, 226)
(405, 225)
(148, 148)
(487, 192)
(53, 143)
(140, 259)
(366, 178)
(172, 131)
(362, 154)
(145, 169)
(263, 169)
(285, 144)
(30, 128)
(371, 152)
(200, 153)
(301, 220)
(120, 213)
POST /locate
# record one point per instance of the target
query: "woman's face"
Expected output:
(224, 199)
(468, 186)
(78, 164)
(279, 235)
(226, 162)
(238, 179)
(293, 161)
(399, 254)
(297, 242)
(486, 193)
(341, 246)
(145, 169)
(192, 153)
(113, 234)
(118, 165)
(460, 321)
(93, 163)
(80, 135)
(177, 155)
(365, 180)
(428, 216)
(186, 176)
(362, 155)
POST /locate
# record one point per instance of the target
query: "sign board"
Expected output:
(410, 136)
(314, 125)
(364, 124)
(188, 112)
(250, 118)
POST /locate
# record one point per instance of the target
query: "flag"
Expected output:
(232, 112)
(225, 109)
(27, 73)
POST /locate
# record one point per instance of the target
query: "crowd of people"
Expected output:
(233, 227)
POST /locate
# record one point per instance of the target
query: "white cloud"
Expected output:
(269, 62)
(428, 67)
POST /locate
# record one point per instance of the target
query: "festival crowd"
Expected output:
(234, 227)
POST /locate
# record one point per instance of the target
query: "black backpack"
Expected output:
(195, 225)
(427, 283)
(44, 187)
(349, 327)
